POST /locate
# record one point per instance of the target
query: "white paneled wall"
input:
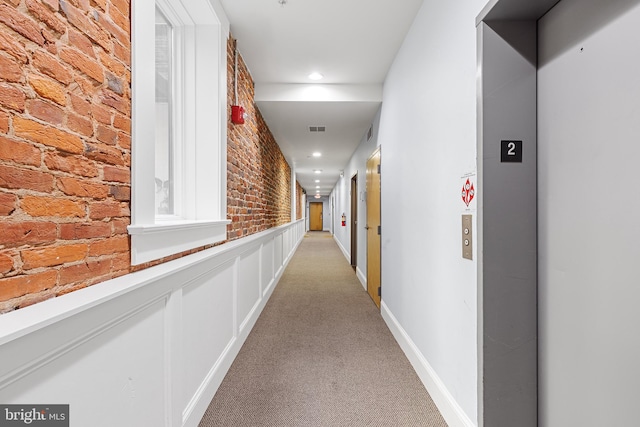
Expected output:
(147, 349)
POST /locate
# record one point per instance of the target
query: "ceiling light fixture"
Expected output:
(314, 75)
(317, 180)
(317, 154)
(317, 171)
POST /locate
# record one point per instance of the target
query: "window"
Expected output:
(179, 127)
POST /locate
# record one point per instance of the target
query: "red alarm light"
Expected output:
(237, 114)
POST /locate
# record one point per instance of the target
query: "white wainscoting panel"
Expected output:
(248, 289)
(146, 349)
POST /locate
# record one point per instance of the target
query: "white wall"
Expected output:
(589, 92)
(342, 195)
(149, 348)
(428, 139)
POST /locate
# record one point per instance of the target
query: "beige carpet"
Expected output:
(321, 355)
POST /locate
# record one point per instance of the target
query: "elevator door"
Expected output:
(588, 232)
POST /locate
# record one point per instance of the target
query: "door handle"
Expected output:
(366, 227)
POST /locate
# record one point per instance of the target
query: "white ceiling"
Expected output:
(351, 42)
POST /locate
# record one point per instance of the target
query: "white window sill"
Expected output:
(154, 241)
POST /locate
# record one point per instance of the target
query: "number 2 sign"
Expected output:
(511, 151)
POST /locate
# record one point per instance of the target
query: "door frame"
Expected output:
(321, 215)
(354, 220)
(374, 289)
(507, 252)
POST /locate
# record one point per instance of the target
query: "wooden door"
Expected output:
(315, 216)
(354, 220)
(373, 227)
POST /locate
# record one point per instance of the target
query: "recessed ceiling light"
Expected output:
(317, 196)
(317, 180)
(317, 171)
(317, 186)
(317, 154)
(315, 76)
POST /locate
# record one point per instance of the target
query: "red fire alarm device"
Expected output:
(237, 114)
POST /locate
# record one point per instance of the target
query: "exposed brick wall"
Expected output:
(300, 205)
(65, 151)
(259, 177)
(65, 146)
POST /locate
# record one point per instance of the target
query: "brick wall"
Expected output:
(300, 207)
(65, 151)
(259, 177)
(65, 146)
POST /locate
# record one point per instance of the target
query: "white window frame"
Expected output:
(202, 115)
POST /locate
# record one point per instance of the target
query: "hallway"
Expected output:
(321, 355)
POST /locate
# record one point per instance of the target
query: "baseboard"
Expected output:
(362, 277)
(449, 408)
(346, 253)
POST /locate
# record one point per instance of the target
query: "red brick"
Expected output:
(45, 111)
(87, 86)
(122, 6)
(82, 188)
(79, 231)
(52, 206)
(52, 67)
(21, 24)
(119, 19)
(112, 28)
(4, 122)
(45, 16)
(53, 4)
(82, 63)
(18, 178)
(9, 45)
(101, 114)
(123, 123)
(108, 209)
(6, 264)
(109, 246)
(123, 53)
(117, 174)
(121, 263)
(48, 89)
(120, 192)
(105, 154)
(12, 97)
(79, 20)
(120, 225)
(106, 135)
(36, 298)
(8, 203)
(124, 141)
(47, 135)
(101, 4)
(81, 42)
(80, 105)
(85, 271)
(80, 125)
(27, 233)
(19, 152)
(9, 69)
(76, 165)
(114, 65)
(54, 255)
(114, 100)
(18, 286)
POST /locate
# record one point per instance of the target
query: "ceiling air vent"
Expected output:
(317, 128)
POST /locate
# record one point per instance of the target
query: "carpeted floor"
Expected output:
(321, 355)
